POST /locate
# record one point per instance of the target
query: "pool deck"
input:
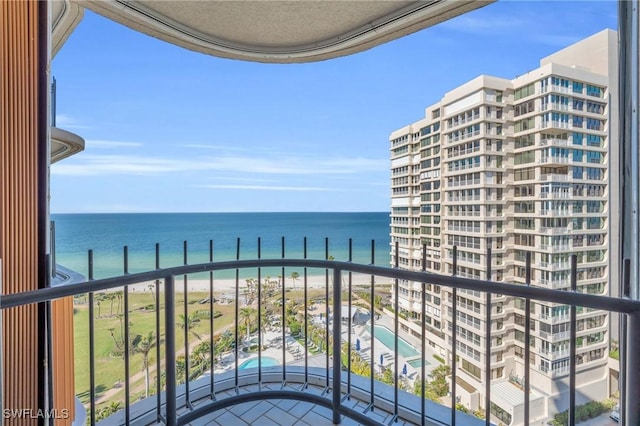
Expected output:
(294, 351)
(363, 333)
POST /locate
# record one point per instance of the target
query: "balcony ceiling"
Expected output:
(64, 144)
(64, 18)
(279, 31)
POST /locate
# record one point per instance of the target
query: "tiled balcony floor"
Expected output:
(288, 412)
(282, 412)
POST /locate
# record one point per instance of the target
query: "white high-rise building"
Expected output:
(516, 166)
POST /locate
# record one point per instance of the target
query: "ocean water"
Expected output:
(107, 234)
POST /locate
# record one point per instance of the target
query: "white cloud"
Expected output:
(95, 165)
(267, 188)
(226, 148)
(98, 165)
(64, 121)
(496, 24)
(111, 144)
(500, 24)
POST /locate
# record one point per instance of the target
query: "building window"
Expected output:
(471, 369)
(501, 414)
(594, 91)
(577, 172)
(524, 91)
(577, 87)
(577, 138)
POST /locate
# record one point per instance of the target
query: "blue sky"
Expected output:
(170, 130)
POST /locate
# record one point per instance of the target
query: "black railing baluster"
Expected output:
(527, 341)
(259, 304)
(454, 339)
(92, 362)
(306, 320)
(284, 327)
(529, 293)
(187, 326)
(487, 348)
(572, 347)
(211, 328)
(52, 238)
(170, 352)
(396, 305)
(349, 325)
(424, 334)
(49, 354)
(630, 407)
(326, 298)
(337, 361)
(127, 343)
(259, 319)
(373, 334)
(159, 416)
(237, 315)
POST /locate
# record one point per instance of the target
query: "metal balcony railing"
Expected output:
(337, 369)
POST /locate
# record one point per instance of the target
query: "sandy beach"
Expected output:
(227, 286)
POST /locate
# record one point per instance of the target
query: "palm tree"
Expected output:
(189, 323)
(111, 297)
(224, 343)
(251, 285)
(113, 336)
(294, 277)
(200, 360)
(119, 295)
(181, 368)
(245, 316)
(98, 299)
(152, 288)
(108, 410)
(144, 345)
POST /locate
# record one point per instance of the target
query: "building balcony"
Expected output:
(199, 379)
(554, 177)
(565, 230)
(555, 266)
(555, 354)
(553, 142)
(556, 159)
(556, 212)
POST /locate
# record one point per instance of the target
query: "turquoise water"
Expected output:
(107, 234)
(417, 363)
(384, 335)
(253, 363)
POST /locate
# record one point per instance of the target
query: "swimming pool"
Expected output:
(253, 363)
(387, 338)
(417, 363)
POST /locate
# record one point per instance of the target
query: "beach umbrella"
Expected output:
(404, 370)
(357, 344)
(381, 359)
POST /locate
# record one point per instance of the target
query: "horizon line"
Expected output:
(220, 212)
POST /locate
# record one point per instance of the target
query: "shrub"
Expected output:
(295, 328)
(439, 358)
(584, 412)
(461, 407)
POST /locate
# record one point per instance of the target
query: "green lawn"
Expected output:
(109, 369)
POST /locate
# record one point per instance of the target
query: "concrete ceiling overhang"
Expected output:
(279, 31)
(64, 144)
(65, 16)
